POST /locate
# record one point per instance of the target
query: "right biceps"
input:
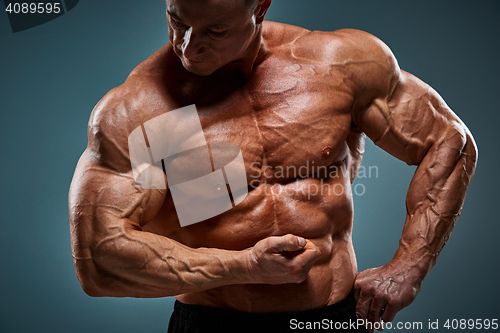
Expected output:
(102, 204)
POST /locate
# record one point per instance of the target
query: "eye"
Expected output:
(217, 33)
(178, 24)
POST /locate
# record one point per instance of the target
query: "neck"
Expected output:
(255, 54)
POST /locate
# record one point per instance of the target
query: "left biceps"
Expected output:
(410, 120)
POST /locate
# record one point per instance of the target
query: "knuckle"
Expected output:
(264, 243)
(380, 296)
(393, 301)
(368, 289)
(289, 238)
(357, 284)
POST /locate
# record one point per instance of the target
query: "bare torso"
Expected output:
(294, 112)
(298, 104)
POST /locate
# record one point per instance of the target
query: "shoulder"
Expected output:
(143, 96)
(110, 124)
(328, 46)
(344, 46)
(280, 34)
(369, 62)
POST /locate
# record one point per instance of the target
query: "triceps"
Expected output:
(410, 121)
(415, 125)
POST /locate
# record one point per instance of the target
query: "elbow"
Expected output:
(90, 288)
(101, 272)
(88, 271)
(470, 153)
(470, 148)
(89, 278)
(459, 139)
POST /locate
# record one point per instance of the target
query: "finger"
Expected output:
(359, 280)
(310, 246)
(389, 313)
(287, 243)
(364, 304)
(378, 303)
(357, 287)
(311, 253)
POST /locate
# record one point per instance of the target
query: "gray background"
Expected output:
(53, 75)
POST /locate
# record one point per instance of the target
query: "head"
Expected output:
(209, 34)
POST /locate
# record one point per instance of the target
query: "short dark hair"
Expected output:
(252, 3)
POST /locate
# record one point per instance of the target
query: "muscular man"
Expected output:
(288, 97)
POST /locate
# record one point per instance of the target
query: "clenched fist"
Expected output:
(383, 291)
(280, 259)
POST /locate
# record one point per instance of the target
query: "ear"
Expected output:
(261, 10)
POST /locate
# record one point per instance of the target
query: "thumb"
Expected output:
(287, 243)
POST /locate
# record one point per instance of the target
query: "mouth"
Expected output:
(194, 61)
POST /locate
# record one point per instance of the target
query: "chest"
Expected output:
(286, 116)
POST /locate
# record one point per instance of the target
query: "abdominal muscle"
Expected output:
(326, 284)
(275, 210)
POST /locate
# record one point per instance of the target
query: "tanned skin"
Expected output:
(287, 96)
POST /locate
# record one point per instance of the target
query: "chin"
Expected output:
(199, 70)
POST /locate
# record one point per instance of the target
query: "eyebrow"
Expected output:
(213, 26)
(218, 26)
(173, 14)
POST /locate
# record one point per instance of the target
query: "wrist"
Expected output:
(417, 265)
(240, 265)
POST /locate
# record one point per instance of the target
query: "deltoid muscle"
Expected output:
(177, 146)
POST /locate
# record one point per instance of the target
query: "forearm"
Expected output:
(139, 264)
(114, 257)
(435, 198)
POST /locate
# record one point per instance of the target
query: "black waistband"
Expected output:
(339, 311)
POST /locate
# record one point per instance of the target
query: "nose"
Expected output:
(192, 45)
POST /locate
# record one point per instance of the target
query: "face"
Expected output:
(209, 34)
